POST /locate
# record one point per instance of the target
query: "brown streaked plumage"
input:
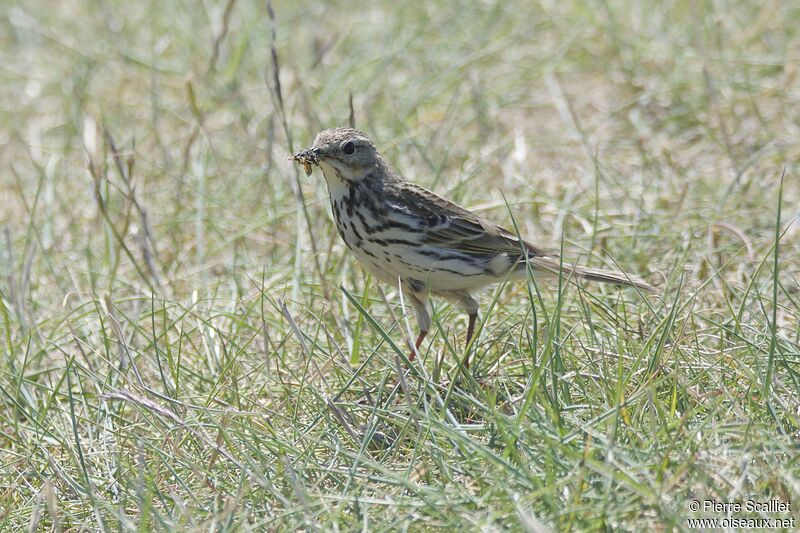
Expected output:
(399, 230)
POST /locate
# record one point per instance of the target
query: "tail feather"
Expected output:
(553, 266)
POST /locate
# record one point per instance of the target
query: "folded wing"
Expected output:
(449, 226)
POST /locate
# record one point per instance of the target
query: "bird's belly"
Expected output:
(444, 269)
(436, 269)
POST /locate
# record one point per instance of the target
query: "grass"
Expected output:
(187, 345)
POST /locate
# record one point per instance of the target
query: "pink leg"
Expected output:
(417, 344)
(470, 330)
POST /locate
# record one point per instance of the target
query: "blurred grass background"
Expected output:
(176, 348)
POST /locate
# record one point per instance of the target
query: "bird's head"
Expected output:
(342, 154)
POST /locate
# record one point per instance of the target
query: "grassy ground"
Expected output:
(186, 344)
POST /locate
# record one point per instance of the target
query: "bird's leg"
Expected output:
(471, 327)
(423, 319)
(468, 304)
(470, 330)
(417, 344)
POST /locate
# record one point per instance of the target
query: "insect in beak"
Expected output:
(306, 158)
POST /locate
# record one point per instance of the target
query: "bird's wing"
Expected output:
(450, 226)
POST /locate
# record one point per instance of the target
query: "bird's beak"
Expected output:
(307, 157)
(309, 154)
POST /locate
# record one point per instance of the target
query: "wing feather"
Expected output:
(450, 226)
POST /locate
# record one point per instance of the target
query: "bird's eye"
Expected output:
(349, 148)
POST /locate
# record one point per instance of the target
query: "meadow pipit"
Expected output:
(399, 230)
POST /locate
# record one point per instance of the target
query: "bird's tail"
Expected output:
(553, 266)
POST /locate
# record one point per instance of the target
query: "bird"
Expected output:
(399, 230)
